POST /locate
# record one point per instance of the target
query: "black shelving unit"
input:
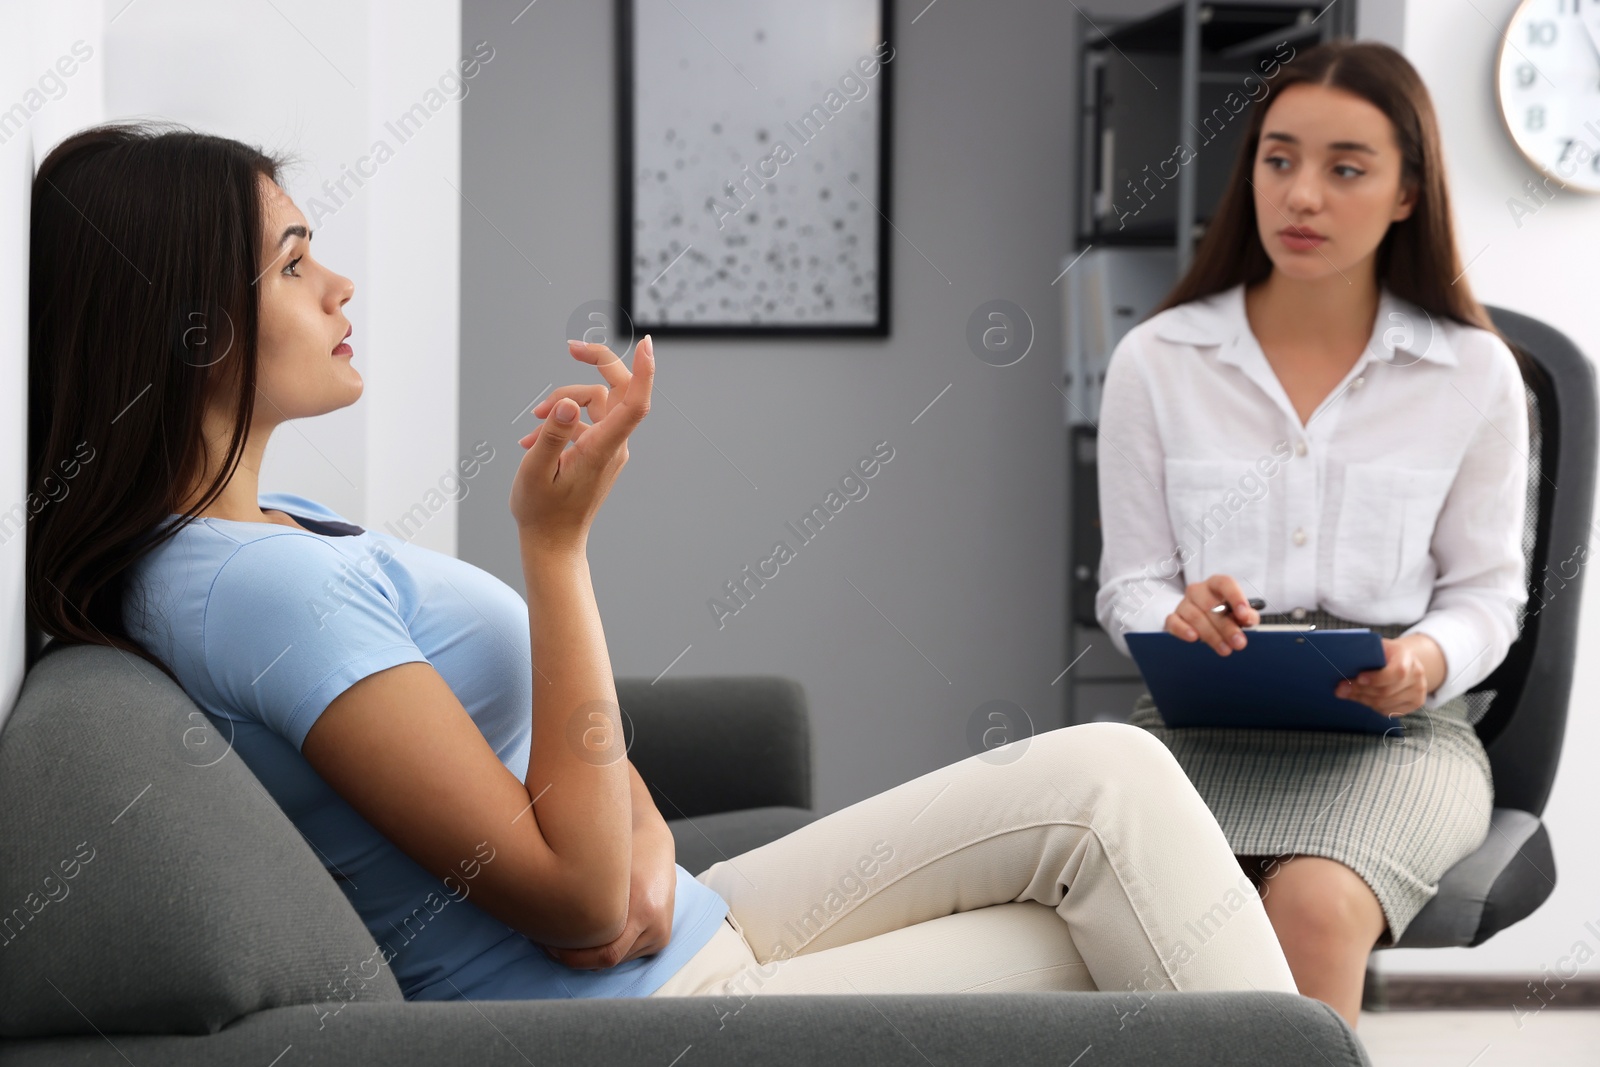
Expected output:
(1148, 86)
(1152, 85)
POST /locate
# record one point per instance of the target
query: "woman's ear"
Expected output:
(1405, 202)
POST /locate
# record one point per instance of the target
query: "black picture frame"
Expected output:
(626, 297)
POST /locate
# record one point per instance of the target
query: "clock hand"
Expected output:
(1589, 32)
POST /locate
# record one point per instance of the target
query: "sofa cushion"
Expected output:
(149, 883)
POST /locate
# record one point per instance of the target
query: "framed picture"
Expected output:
(754, 166)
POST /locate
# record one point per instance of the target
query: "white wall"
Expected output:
(322, 81)
(1546, 268)
(16, 158)
(46, 90)
(16, 170)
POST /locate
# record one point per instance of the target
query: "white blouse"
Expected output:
(1400, 500)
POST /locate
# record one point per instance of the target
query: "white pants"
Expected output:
(1077, 859)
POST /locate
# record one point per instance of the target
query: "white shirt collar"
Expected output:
(1402, 333)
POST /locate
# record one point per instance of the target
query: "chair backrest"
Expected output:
(1520, 710)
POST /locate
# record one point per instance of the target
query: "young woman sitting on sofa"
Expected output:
(452, 747)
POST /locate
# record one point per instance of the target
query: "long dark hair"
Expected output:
(1417, 259)
(142, 309)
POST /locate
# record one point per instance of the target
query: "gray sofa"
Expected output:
(160, 908)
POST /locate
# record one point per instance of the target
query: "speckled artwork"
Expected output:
(755, 139)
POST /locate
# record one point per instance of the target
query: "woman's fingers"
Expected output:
(1180, 629)
(1388, 703)
(1397, 688)
(1203, 623)
(600, 400)
(1395, 674)
(601, 957)
(552, 437)
(610, 364)
(1227, 591)
(578, 430)
(631, 404)
(1196, 609)
(1220, 589)
(1356, 695)
(1229, 631)
(591, 395)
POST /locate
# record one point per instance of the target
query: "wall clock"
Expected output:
(1548, 82)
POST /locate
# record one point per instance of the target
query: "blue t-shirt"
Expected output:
(265, 625)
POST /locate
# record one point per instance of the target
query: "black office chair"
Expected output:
(1520, 710)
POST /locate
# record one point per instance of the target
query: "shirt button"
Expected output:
(1299, 448)
(1297, 614)
(1300, 537)
(1359, 382)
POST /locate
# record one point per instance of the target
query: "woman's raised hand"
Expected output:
(557, 490)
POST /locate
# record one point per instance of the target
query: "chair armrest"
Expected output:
(713, 744)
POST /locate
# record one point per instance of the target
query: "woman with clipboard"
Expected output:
(1320, 415)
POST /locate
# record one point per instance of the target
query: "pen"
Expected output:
(1255, 602)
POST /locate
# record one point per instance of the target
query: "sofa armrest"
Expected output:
(713, 744)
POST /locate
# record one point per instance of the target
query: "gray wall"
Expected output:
(960, 541)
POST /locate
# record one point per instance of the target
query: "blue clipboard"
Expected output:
(1280, 680)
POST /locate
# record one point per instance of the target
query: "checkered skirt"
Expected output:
(1399, 811)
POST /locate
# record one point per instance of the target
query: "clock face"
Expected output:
(1549, 88)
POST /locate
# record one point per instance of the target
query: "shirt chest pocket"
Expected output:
(1385, 528)
(1217, 508)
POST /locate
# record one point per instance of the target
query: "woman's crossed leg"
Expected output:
(1081, 858)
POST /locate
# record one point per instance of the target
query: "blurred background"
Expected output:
(946, 591)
